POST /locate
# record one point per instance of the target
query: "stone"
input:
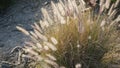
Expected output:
(2, 45)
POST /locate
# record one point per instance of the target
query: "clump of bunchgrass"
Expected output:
(74, 36)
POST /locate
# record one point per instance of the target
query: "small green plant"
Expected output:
(113, 0)
(73, 37)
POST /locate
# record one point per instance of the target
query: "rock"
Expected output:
(1, 45)
(4, 65)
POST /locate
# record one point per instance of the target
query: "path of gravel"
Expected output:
(23, 13)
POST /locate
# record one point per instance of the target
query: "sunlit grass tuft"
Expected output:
(74, 37)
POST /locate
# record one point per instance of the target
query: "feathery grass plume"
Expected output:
(22, 30)
(75, 35)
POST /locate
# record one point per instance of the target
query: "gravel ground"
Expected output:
(22, 13)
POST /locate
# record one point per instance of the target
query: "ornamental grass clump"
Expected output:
(74, 37)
